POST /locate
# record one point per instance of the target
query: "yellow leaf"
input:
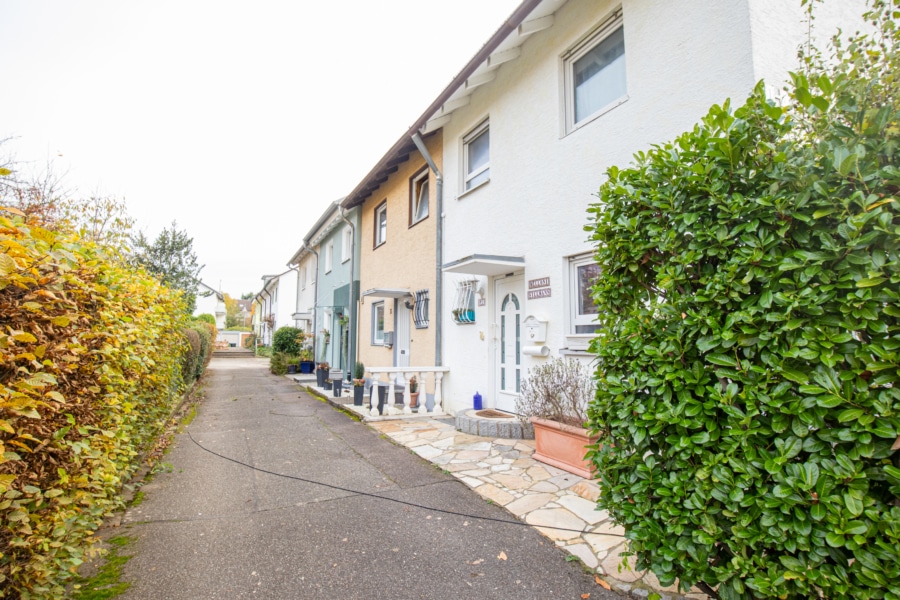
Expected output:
(56, 396)
(5, 426)
(40, 351)
(7, 264)
(14, 211)
(32, 306)
(60, 321)
(23, 336)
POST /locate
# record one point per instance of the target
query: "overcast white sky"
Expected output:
(240, 120)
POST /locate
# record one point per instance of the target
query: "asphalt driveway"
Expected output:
(238, 511)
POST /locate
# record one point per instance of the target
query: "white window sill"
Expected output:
(472, 189)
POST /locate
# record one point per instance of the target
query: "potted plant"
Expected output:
(359, 383)
(321, 374)
(413, 393)
(336, 386)
(293, 364)
(306, 361)
(554, 398)
(328, 384)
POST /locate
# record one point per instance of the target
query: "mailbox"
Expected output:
(535, 330)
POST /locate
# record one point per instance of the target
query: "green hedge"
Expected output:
(92, 351)
(749, 351)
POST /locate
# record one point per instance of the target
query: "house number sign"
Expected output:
(539, 288)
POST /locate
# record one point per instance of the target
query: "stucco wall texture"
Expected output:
(405, 260)
(681, 58)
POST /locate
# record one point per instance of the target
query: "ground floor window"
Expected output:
(583, 271)
(378, 323)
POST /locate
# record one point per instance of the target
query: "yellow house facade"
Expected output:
(398, 274)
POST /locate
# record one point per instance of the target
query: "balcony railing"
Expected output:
(428, 378)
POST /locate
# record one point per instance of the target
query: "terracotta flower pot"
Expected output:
(413, 399)
(563, 446)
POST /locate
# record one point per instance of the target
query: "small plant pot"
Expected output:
(327, 384)
(307, 367)
(292, 369)
(414, 399)
(320, 378)
(358, 391)
(336, 386)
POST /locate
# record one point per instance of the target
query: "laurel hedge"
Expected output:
(748, 349)
(90, 369)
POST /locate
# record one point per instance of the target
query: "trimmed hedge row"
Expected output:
(749, 349)
(90, 370)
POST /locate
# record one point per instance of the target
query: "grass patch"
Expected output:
(106, 583)
(188, 418)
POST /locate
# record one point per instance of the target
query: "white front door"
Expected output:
(401, 334)
(508, 350)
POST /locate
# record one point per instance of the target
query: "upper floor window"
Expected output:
(347, 244)
(594, 73)
(381, 223)
(418, 196)
(329, 255)
(477, 156)
(583, 272)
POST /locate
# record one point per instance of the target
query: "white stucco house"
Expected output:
(211, 301)
(274, 305)
(562, 91)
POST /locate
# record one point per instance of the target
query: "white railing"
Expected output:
(389, 377)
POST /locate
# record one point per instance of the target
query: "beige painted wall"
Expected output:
(405, 260)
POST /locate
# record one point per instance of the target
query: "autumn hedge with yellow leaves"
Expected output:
(90, 370)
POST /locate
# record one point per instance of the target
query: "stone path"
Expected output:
(503, 471)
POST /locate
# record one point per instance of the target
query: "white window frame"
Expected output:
(576, 317)
(417, 183)
(612, 24)
(380, 236)
(483, 127)
(378, 335)
(347, 244)
(329, 255)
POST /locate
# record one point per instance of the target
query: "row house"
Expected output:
(327, 293)
(274, 306)
(473, 263)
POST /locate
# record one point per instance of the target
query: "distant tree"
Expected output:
(247, 296)
(171, 258)
(207, 318)
(232, 313)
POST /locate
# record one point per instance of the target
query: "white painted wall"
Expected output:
(306, 290)
(681, 57)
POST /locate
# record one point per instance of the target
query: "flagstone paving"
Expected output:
(560, 505)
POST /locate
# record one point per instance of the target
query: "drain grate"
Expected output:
(493, 414)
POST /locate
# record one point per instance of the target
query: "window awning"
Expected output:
(485, 264)
(387, 293)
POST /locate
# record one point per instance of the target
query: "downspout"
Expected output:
(351, 322)
(439, 244)
(316, 303)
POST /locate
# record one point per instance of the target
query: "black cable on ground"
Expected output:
(380, 497)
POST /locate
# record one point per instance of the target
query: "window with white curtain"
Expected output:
(595, 74)
(477, 156)
(583, 272)
(347, 244)
(381, 223)
(418, 197)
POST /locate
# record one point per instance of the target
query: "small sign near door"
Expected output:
(539, 288)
